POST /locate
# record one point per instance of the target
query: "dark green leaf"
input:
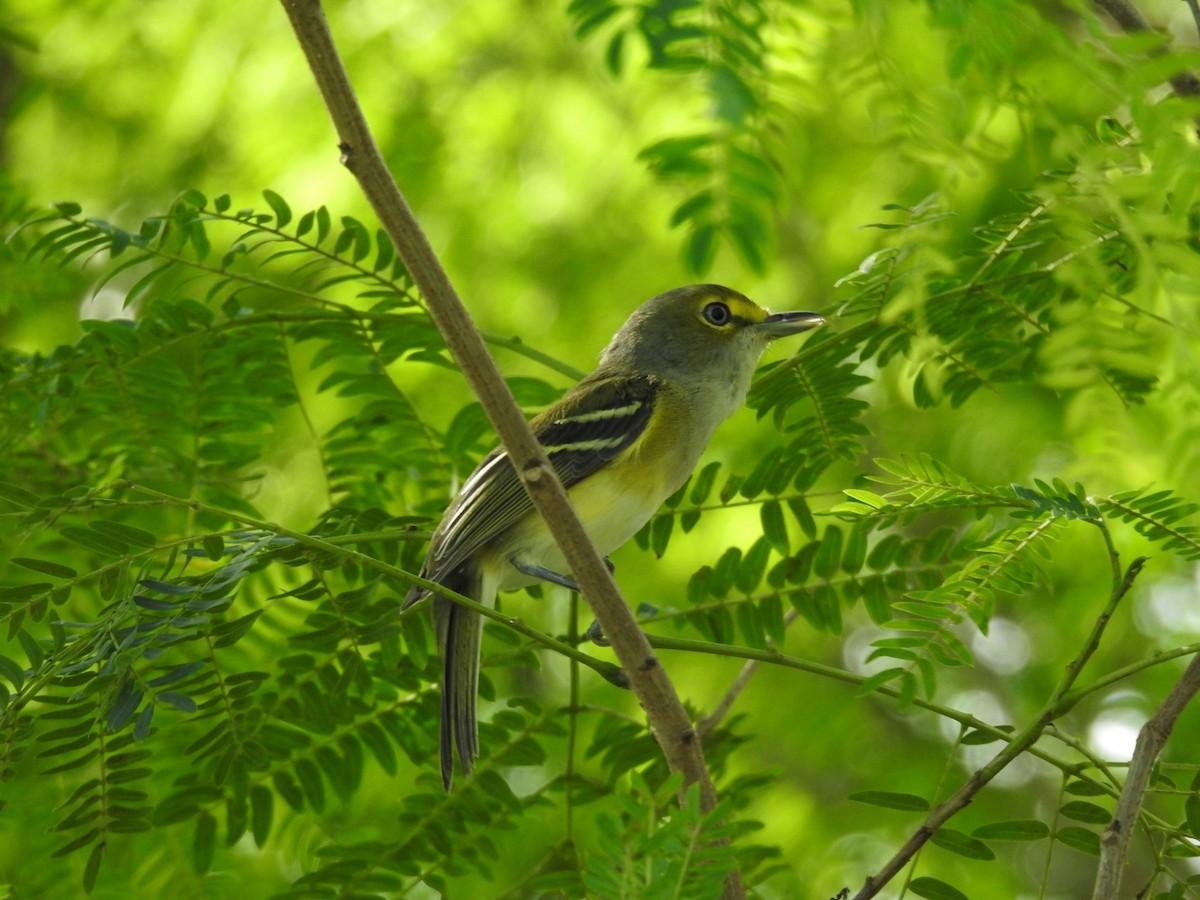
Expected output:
(283, 213)
(935, 889)
(1013, 830)
(204, 842)
(1191, 808)
(891, 800)
(773, 526)
(1080, 839)
(91, 869)
(1082, 811)
(262, 803)
(45, 567)
(962, 844)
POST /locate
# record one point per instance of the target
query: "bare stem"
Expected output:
(713, 719)
(1059, 703)
(1151, 740)
(665, 713)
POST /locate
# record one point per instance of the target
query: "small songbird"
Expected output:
(622, 441)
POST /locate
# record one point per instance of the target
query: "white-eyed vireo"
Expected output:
(622, 440)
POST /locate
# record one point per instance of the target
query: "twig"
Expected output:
(1151, 740)
(1194, 6)
(664, 711)
(706, 725)
(1059, 703)
(336, 544)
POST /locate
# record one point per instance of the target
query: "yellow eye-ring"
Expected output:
(716, 314)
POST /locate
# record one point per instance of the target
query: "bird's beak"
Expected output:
(782, 324)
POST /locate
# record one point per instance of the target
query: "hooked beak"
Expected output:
(782, 324)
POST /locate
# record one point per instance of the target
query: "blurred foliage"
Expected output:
(226, 421)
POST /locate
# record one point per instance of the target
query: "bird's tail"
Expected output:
(459, 634)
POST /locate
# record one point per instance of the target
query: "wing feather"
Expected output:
(594, 422)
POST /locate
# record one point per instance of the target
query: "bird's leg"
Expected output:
(544, 574)
(593, 634)
(596, 635)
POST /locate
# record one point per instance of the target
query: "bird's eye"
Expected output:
(716, 314)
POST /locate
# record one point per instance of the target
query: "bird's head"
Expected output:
(702, 327)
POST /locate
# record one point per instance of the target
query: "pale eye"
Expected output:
(716, 314)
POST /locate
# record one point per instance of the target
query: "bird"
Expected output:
(622, 441)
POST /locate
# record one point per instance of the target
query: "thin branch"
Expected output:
(706, 725)
(665, 713)
(1151, 740)
(1059, 703)
(334, 544)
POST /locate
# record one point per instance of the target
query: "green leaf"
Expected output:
(774, 527)
(283, 213)
(935, 889)
(660, 533)
(700, 249)
(829, 553)
(45, 567)
(1079, 839)
(891, 800)
(181, 702)
(93, 540)
(750, 625)
(1082, 811)
(310, 780)
(123, 533)
(229, 633)
(804, 516)
(91, 870)
(141, 728)
(866, 497)
(962, 844)
(262, 803)
(1013, 830)
(214, 546)
(1191, 809)
(13, 672)
(878, 680)
(17, 496)
(379, 745)
(753, 566)
(204, 842)
(82, 841)
(702, 483)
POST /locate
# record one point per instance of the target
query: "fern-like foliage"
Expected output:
(726, 170)
(142, 682)
(993, 555)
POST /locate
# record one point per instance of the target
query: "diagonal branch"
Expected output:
(1151, 740)
(1059, 703)
(669, 721)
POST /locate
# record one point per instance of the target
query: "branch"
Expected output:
(664, 711)
(1059, 703)
(1151, 740)
(707, 724)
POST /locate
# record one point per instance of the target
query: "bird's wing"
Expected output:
(593, 423)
